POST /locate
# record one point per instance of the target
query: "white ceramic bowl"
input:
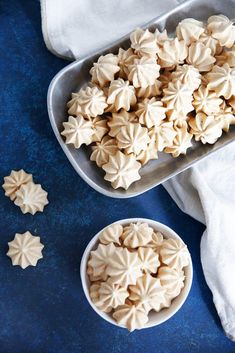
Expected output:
(155, 318)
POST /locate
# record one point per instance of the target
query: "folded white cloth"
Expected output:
(75, 28)
(207, 193)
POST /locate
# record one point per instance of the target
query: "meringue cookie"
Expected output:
(100, 257)
(149, 292)
(222, 80)
(104, 70)
(95, 297)
(149, 260)
(25, 250)
(205, 128)
(131, 316)
(178, 96)
(121, 170)
(102, 150)
(178, 118)
(112, 295)
(91, 101)
(150, 91)
(181, 142)
(225, 116)
(200, 57)
(172, 280)
(144, 72)
(100, 128)
(125, 59)
(78, 131)
(144, 42)
(119, 120)
(221, 28)
(121, 94)
(124, 267)
(150, 112)
(164, 135)
(211, 43)
(206, 101)
(111, 234)
(172, 53)
(189, 30)
(14, 181)
(150, 152)
(156, 241)
(174, 253)
(74, 104)
(94, 278)
(31, 198)
(187, 74)
(133, 138)
(161, 37)
(136, 234)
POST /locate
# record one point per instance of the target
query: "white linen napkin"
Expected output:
(75, 28)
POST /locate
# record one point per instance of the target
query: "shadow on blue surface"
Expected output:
(43, 309)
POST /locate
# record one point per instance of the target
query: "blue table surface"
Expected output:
(43, 309)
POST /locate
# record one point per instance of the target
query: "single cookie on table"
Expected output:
(31, 198)
(25, 250)
(14, 181)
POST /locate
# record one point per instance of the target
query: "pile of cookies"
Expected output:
(134, 271)
(158, 95)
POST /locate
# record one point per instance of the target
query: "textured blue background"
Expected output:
(43, 309)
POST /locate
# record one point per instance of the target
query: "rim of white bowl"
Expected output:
(164, 314)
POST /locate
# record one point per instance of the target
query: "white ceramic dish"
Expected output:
(154, 317)
(76, 75)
